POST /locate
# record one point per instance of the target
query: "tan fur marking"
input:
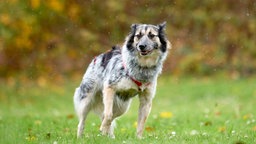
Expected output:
(108, 99)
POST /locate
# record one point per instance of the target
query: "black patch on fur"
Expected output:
(122, 97)
(114, 65)
(162, 37)
(122, 68)
(85, 88)
(131, 38)
(126, 95)
(155, 45)
(108, 55)
(146, 28)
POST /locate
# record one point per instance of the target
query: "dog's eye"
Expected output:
(151, 36)
(138, 36)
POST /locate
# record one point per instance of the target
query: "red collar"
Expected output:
(138, 83)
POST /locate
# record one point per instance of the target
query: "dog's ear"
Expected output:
(130, 37)
(162, 26)
(161, 31)
(133, 28)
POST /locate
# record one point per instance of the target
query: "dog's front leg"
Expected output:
(144, 110)
(108, 99)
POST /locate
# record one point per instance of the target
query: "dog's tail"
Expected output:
(77, 99)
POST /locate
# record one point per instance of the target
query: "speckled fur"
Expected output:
(107, 86)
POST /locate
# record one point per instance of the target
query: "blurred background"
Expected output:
(51, 40)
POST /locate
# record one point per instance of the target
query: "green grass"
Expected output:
(203, 110)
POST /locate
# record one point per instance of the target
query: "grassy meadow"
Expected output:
(185, 110)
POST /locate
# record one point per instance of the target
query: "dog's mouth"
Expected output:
(145, 52)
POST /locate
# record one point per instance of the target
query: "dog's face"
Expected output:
(146, 40)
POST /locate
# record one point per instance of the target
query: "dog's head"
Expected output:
(147, 39)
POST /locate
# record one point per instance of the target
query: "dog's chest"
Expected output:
(126, 84)
(126, 89)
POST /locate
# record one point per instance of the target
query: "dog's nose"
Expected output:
(142, 47)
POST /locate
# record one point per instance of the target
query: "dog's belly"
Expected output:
(121, 103)
(126, 94)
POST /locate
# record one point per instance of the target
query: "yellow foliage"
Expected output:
(23, 39)
(35, 3)
(114, 5)
(5, 19)
(41, 81)
(12, 1)
(74, 11)
(56, 5)
(22, 42)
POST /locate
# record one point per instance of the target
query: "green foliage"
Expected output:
(190, 110)
(52, 38)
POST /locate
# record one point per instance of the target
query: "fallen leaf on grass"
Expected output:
(239, 142)
(218, 113)
(70, 116)
(222, 129)
(208, 123)
(166, 114)
(247, 116)
(135, 124)
(31, 138)
(149, 129)
(48, 135)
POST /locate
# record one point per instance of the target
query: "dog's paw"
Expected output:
(78, 136)
(112, 136)
(106, 131)
(79, 133)
(139, 136)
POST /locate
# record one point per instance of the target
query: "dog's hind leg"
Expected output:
(84, 110)
(83, 101)
(112, 127)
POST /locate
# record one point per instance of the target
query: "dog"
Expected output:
(113, 78)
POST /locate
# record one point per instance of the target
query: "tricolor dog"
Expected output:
(113, 78)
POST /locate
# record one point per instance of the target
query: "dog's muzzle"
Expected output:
(143, 50)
